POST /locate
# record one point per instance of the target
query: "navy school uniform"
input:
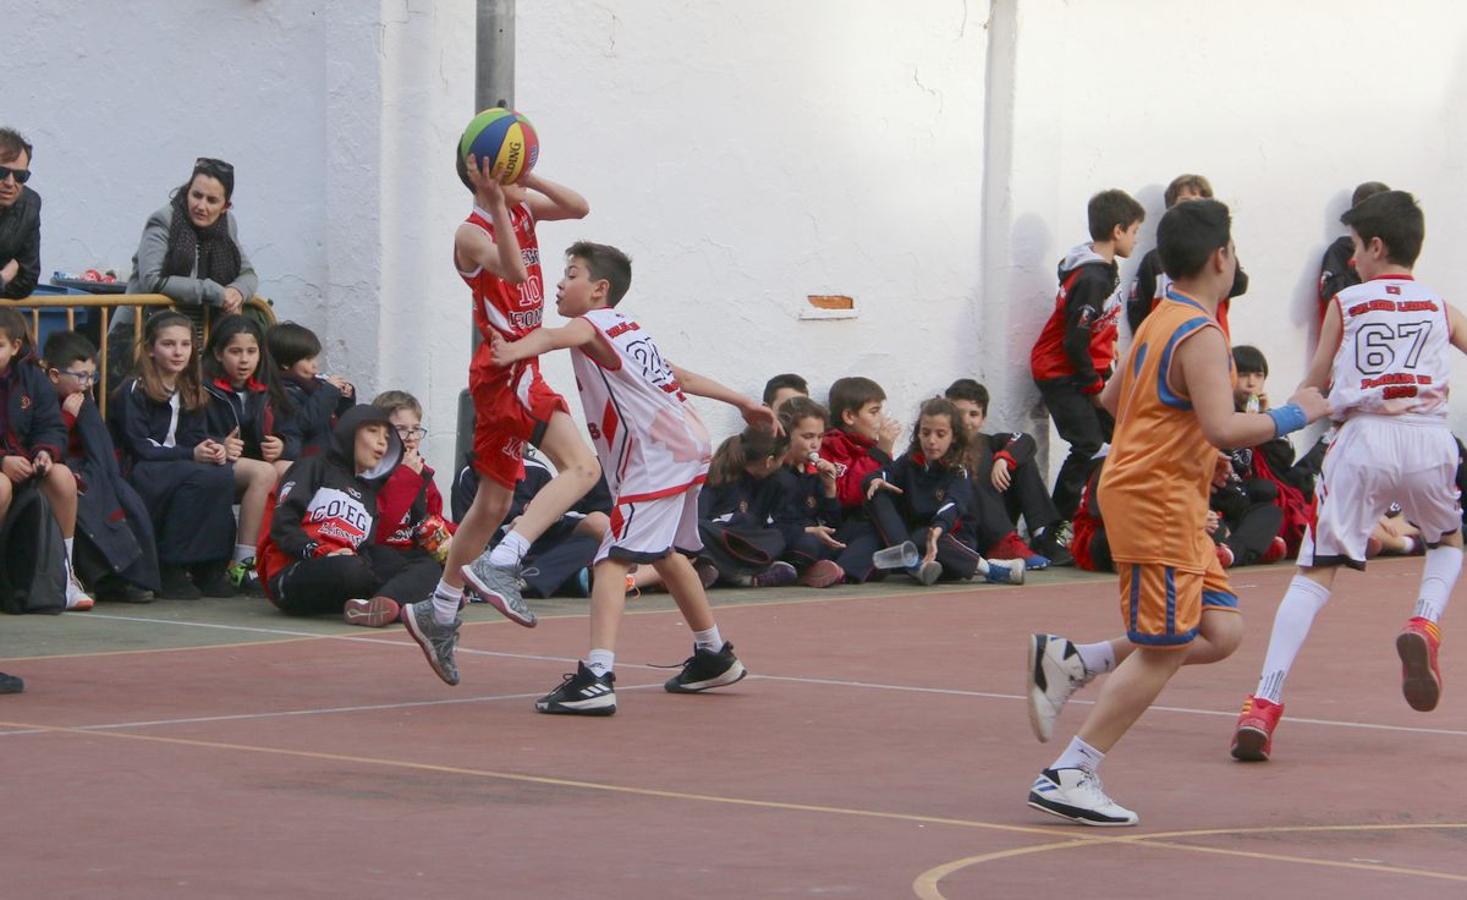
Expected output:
(30, 416)
(251, 411)
(737, 523)
(933, 494)
(114, 531)
(994, 513)
(805, 505)
(316, 403)
(190, 503)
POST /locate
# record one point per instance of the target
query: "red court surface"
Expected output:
(880, 749)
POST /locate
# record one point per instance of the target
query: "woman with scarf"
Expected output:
(189, 252)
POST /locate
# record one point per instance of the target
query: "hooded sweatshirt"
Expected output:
(324, 505)
(1078, 343)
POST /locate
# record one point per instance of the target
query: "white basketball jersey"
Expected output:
(650, 440)
(1394, 356)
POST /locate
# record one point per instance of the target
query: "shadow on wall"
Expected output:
(1304, 308)
(1033, 287)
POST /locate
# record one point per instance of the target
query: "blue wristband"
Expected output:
(1287, 418)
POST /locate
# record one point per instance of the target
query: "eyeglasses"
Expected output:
(83, 377)
(215, 167)
(21, 176)
(413, 432)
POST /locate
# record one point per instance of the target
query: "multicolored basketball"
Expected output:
(503, 138)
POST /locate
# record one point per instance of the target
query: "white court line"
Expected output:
(1333, 723)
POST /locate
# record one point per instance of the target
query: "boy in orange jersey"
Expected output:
(1173, 402)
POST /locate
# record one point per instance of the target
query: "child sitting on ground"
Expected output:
(810, 514)
(736, 510)
(316, 399)
(860, 441)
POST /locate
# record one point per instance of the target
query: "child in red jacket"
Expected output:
(409, 504)
(859, 444)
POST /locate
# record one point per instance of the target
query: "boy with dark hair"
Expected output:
(782, 387)
(20, 218)
(1005, 476)
(115, 552)
(1337, 269)
(1071, 360)
(655, 452)
(1384, 353)
(1151, 282)
(1174, 405)
(315, 398)
(859, 442)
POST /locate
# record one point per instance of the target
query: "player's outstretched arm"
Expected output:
(1330, 333)
(554, 201)
(576, 333)
(1201, 375)
(756, 414)
(1458, 323)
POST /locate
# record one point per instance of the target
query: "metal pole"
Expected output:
(493, 86)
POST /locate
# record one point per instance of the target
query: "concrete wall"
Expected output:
(934, 164)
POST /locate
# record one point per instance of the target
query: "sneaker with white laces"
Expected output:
(1055, 672)
(582, 693)
(1077, 795)
(502, 587)
(77, 599)
(1005, 571)
(437, 641)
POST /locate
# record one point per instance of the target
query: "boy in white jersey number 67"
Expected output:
(1384, 355)
(654, 451)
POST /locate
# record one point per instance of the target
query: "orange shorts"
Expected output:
(1162, 605)
(512, 407)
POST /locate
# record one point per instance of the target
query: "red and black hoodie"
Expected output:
(323, 505)
(1078, 343)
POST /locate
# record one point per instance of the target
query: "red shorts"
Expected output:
(512, 407)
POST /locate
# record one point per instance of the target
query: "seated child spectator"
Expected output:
(250, 415)
(160, 425)
(782, 387)
(736, 511)
(859, 442)
(810, 513)
(33, 441)
(923, 496)
(409, 503)
(1243, 518)
(316, 399)
(1269, 471)
(1151, 282)
(1337, 269)
(318, 550)
(1088, 543)
(115, 554)
(1005, 477)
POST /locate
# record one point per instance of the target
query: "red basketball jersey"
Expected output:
(514, 310)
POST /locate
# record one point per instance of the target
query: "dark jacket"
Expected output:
(804, 503)
(32, 420)
(1150, 287)
(1078, 343)
(860, 456)
(316, 403)
(1336, 271)
(140, 425)
(109, 511)
(323, 505)
(254, 416)
(1016, 447)
(20, 240)
(932, 494)
(745, 502)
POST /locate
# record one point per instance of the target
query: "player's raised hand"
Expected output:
(760, 416)
(1314, 404)
(486, 186)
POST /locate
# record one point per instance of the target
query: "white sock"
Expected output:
(243, 552)
(69, 542)
(601, 662)
(708, 640)
(446, 599)
(1079, 755)
(1438, 576)
(983, 567)
(1291, 623)
(1098, 658)
(510, 551)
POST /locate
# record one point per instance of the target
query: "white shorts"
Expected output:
(1373, 462)
(648, 530)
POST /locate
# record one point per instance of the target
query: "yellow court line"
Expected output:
(925, 886)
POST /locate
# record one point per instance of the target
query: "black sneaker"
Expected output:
(11, 684)
(706, 669)
(176, 585)
(213, 580)
(1054, 542)
(582, 694)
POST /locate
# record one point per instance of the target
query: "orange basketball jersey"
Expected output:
(1157, 478)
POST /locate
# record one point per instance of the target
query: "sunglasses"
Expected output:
(216, 167)
(21, 176)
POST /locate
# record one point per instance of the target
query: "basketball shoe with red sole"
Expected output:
(1421, 680)
(1253, 736)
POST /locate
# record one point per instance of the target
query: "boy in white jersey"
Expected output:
(1383, 352)
(654, 451)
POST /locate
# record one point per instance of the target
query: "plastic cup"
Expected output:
(899, 556)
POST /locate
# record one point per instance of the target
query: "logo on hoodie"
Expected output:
(336, 515)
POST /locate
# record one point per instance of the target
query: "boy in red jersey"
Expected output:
(498, 256)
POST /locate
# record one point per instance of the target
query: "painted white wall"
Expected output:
(932, 164)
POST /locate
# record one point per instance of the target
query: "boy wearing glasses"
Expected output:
(409, 503)
(114, 554)
(20, 219)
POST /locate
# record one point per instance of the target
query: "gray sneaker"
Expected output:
(500, 586)
(437, 641)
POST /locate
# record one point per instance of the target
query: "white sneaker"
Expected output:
(1055, 672)
(77, 599)
(1005, 571)
(1077, 795)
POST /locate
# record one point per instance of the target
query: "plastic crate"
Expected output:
(53, 319)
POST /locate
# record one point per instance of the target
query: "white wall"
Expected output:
(934, 164)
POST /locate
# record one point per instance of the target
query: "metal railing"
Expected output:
(107, 304)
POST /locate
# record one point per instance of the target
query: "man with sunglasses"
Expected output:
(20, 218)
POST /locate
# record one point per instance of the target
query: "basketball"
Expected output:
(504, 138)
